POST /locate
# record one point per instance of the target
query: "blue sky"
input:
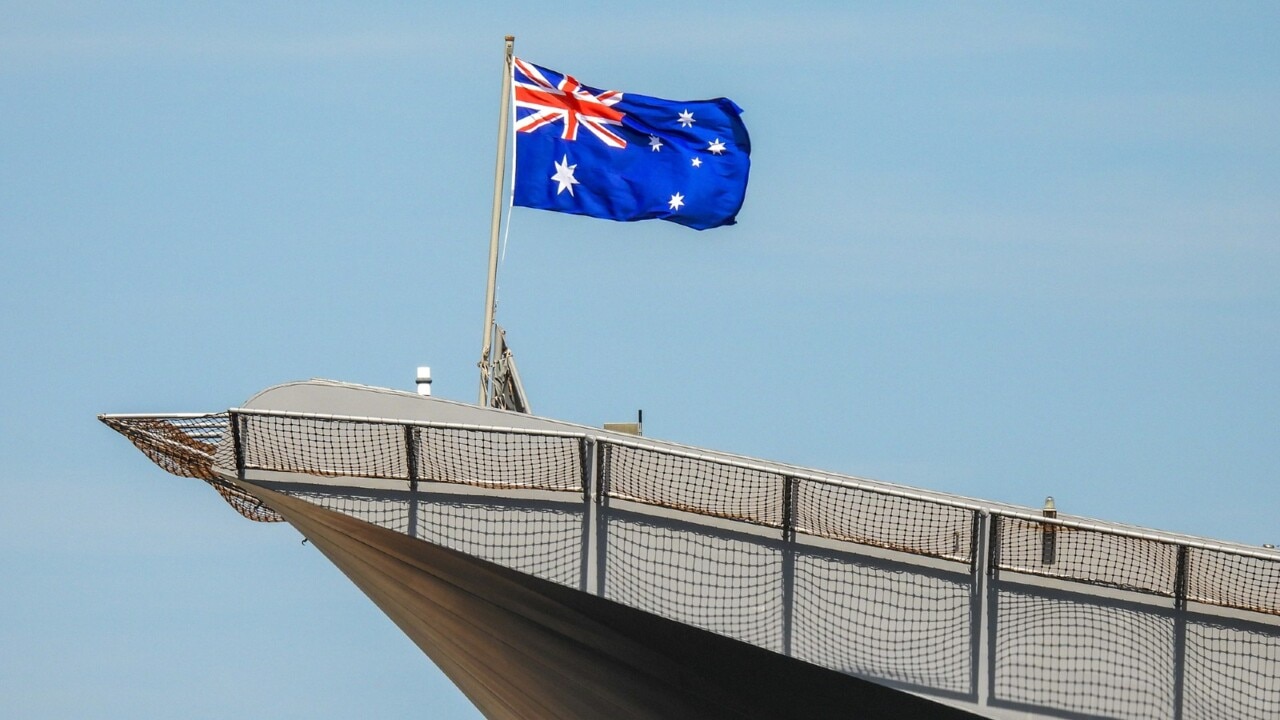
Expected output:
(1001, 250)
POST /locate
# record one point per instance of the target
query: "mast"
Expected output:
(490, 298)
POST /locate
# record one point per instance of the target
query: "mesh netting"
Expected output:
(500, 460)
(1073, 656)
(193, 446)
(1229, 580)
(1088, 556)
(871, 518)
(182, 445)
(702, 486)
(897, 624)
(187, 446)
(383, 509)
(538, 539)
(328, 448)
(1231, 673)
(244, 503)
(729, 586)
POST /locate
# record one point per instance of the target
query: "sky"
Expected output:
(1002, 250)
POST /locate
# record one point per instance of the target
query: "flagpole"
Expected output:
(499, 171)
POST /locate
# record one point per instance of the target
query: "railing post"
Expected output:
(603, 482)
(990, 610)
(789, 487)
(1180, 630)
(789, 508)
(237, 443)
(602, 490)
(993, 547)
(975, 543)
(586, 459)
(411, 452)
(979, 617)
(1180, 579)
(588, 576)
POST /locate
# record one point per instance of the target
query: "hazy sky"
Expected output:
(1000, 250)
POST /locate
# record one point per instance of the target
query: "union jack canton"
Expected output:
(626, 157)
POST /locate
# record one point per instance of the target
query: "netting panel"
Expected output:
(183, 446)
(540, 541)
(537, 540)
(1231, 672)
(1088, 556)
(728, 586)
(190, 447)
(871, 518)
(868, 620)
(331, 448)
(1237, 581)
(382, 510)
(1072, 656)
(694, 485)
(500, 459)
(244, 503)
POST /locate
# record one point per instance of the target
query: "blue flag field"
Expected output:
(622, 156)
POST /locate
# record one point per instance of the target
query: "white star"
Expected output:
(654, 143)
(686, 119)
(716, 146)
(697, 162)
(676, 201)
(564, 176)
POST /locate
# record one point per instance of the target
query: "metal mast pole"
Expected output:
(500, 167)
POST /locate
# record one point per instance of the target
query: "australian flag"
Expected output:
(626, 157)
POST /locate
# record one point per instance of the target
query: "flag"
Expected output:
(626, 157)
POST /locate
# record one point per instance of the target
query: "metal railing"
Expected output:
(793, 501)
